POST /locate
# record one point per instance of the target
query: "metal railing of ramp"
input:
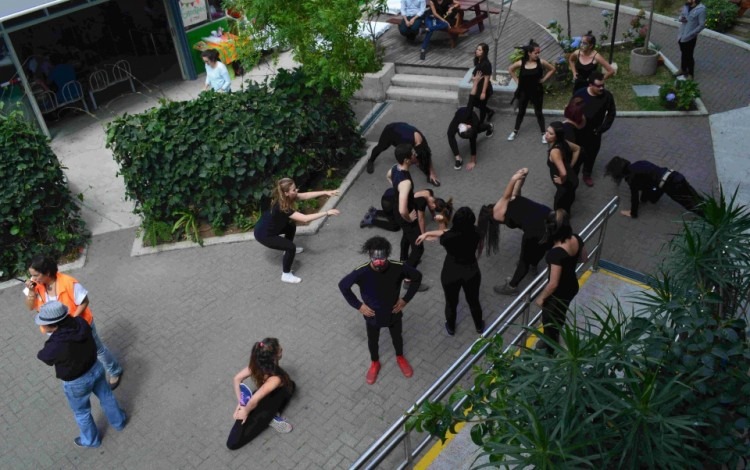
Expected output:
(520, 307)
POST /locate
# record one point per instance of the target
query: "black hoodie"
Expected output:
(71, 349)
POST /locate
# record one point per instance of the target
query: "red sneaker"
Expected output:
(405, 366)
(372, 373)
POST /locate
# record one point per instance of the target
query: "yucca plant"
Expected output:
(664, 386)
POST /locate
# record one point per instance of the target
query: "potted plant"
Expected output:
(643, 60)
(679, 94)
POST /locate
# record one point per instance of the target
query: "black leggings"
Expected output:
(390, 138)
(553, 316)
(537, 99)
(590, 144)
(687, 61)
(565, 196)
(453, 278)
(474, 100)
(677, 188)
(411, 253)
(284, 244)
(373, 337)
(531, 253)
(384, 218)
(259, 418)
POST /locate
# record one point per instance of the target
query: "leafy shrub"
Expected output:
(216, 157)
(679, 94)
(38, 214)
(720, 14)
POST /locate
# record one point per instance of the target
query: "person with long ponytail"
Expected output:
(274, 390)
(562, 282)
(515, 211)
(280, 220)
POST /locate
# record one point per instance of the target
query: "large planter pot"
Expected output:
(643, 61)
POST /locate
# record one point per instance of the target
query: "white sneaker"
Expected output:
(544, 139)
(299, 249)
(290, 278)
(512, 136)
(280, 424)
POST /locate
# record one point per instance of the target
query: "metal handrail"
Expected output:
(520, 306)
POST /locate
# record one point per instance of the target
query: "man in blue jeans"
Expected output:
(411, 18)
(72, 350)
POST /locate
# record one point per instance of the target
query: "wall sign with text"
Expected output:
(193, 12)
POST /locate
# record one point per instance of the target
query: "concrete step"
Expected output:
(408, 69)
(399, 93)
(425, 81)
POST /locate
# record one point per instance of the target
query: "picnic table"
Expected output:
(463, 26)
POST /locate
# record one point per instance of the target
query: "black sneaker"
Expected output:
(370, 166)
(507, 289)
(491, 131)
(422, 55)
(458, 164)
(449, 330)
(480, 328)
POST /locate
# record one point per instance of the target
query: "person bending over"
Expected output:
(515, 211)
(648, 182)
(397, 133)
(467, 125)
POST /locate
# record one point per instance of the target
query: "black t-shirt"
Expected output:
(397, 176)
(460, 247)
(568, 285)
(485, 67)
(527, 215)
(272, 223)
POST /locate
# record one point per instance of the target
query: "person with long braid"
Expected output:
(274, 390)
(515, 211)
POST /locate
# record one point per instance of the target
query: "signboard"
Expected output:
(193, 12)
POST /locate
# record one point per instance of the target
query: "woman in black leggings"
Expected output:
(562, 157)
(274, 389)
(280, 220)
(460, 268)
(533, 71)
(515, 211)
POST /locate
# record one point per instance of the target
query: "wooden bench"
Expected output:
(464, 25)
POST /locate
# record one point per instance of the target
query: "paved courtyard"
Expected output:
(182, 323)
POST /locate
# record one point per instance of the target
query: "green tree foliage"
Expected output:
(38, 214)
(664, 386)
(323, 36)
(212, 159)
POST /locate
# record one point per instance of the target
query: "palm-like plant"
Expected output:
(664, 386)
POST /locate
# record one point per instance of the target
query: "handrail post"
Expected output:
(407, 449)
(600, 244)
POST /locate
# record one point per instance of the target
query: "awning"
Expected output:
(15, 8)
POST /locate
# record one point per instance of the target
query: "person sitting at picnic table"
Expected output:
(217, 75)
(443, 15)
(411, 18)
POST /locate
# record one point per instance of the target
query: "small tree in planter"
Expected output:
(643, 61)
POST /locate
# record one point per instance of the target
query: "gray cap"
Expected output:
(51, 313)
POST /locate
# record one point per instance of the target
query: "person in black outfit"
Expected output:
(562, 282)
(481, 90)
(397, 133)
(515, 211)
(405, 212)
(648, 182)
(280, 220)
(562, 157)
(274, 390)
(467, 125)
(423, 200)
(381, 306)
(533, 71)
(600, 110)
(460, 268)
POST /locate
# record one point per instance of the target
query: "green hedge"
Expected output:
(720, 15)
(214, 158)
(37, 212)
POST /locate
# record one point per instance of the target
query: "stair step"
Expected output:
(425, 81)
(421, 94)
(407, 69)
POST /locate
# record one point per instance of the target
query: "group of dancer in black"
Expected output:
(573, 145)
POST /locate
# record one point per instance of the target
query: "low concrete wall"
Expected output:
(374, 85)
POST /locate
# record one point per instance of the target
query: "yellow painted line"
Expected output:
(429, 457)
